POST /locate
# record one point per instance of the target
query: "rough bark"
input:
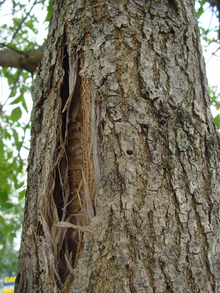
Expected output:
(123, 181)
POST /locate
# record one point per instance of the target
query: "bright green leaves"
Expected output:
(214, 97)
(21, 194)
(200, 11)
(20, 99)
(11, 186)
(49, 11)
(19, 30)
(215, 102)
(10, 227)
(13, 150)
(208, 29)
(31, 25)
(207, 16)
(217, 121)
(15, 114)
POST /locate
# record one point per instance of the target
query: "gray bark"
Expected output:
(123, 184)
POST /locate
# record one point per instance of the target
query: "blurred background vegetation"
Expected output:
(23, 28)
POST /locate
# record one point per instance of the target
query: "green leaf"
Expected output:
(217, 121)
(20, 185)
(16, 101)
(24, 105)
(8, 205)
(21, 194)
(49, 11)
(1, 150)
(2, 221)
(16, 114)
(199, 12)
(2, 251)
(30, 25)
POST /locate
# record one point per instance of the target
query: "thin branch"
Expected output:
(23, 140)
(213, 54)
(211, 19)
(2, 2)
(23, 20)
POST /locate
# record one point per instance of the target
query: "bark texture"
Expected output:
(123, 185)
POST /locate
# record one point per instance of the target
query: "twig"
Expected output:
(23, 20)
(22, 142)
(213, 54)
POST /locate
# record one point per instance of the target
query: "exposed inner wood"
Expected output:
(74, 184)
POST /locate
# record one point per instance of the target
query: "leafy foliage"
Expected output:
(11, 186)
(215, 101)
(209, 35)
(20, 32)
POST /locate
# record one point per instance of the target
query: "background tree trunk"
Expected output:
(123, 181)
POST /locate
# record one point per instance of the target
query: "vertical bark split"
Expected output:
(125, 153)
(72, 203)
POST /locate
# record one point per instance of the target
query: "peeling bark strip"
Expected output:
(123, 185)
(72, 189)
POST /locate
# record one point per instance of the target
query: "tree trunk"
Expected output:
(123, 179)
